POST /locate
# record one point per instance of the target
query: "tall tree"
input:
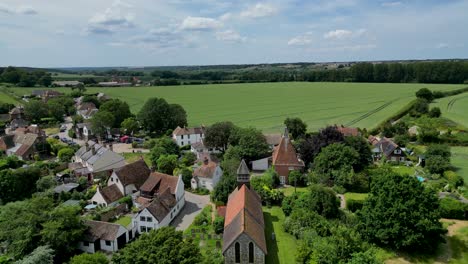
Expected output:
(35, 110)
(100, 122)
(178, 116)
(40, 255)
(154, 116)
(164, 245)
(296, 127)
(309, 148)
(130, 125)
(217, 135)
(400, 213)
(118, 108)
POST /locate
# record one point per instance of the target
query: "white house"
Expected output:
(162, 198)
(200, 149)
(130, 177)
(104, 236)
(207, 175)
(107, 196)
(187, 136)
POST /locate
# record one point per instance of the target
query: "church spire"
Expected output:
(243, 174)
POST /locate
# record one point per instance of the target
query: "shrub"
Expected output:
(454, 179)
(218, 225)
(71, 133)
(354, 205)
(453, 209)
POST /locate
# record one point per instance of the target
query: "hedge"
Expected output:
(453, 209)
(354, 205)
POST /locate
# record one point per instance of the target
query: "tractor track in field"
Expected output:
(453, 101)
(366, 115)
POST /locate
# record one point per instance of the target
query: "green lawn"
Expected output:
(283, 249)
(288, 191)
(124, 220)
(266, 105)
(460, 161)
(8, 98)
(355, 196)
(454, 108)
(402, 169)
(132, 157)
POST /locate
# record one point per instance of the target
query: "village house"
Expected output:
(86, 110)
(244, 226)
(386, 148)
(162, 198)
(45, 94)
(200, 149)
(67, 83)
(17, 118)
(107, 196)
(104, 236)
(24, 142)
(207, 175)
(285, 159)
(130, 177)
(348, 131)
(187, 136)
(83, 131)
(93, 159)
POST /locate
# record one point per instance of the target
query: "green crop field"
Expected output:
(455, 108)
(460, 161)
(266, 105)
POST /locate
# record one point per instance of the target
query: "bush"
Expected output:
(435, 112)
(134, 144)
(218, 225)
(66, 154)
(71, 133)
(453, 209)
(354, 205)
(454, 179)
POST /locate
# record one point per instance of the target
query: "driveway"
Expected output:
(194, 204)
(68, 123)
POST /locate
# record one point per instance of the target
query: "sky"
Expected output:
(106, 33)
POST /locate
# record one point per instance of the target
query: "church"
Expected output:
(244, 226)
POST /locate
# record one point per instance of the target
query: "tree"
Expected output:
(66, 154)
(40, 255)
(437, 164)
(319, 199)
(100, 122)
(45, 183)
(34, 110)
(302, 219)
(188, 159)
(296, 127)
(435, 112)
(420, 107)
(119, 109)
(85, 258)
(56, 110)
(362, 147)
(91, 99)
(224, 187)
(218, 225)
(252, 143)
(425, 93)
(311, 147)
(335, 157)
(157, 115)
(164, 245)
(178, 116)
(400, 213)
(18, 184)
(130, 125)
(296, 178)
(217, 135)
(438, 150)
(162, 146)
(63, 230)
(167, 163)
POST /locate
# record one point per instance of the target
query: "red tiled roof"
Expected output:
(285, 154)
(348, 131)
(244, 215)
(158, 182)
(206, 170)
(134, 173)
(23, 150)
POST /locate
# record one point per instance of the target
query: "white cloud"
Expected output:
(341, 34)
(5, 9)
(230, 36)
(26, 10)
(259, 10)
(226, 16)
(110, 21)
(391, 4)
(200, 23)
(301, 40)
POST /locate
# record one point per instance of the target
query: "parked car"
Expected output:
(71, 143)
(56, 136)
(64, 140)
(63, 128)
(138, 140)
(125, 139)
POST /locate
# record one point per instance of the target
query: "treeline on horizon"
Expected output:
(451, 72)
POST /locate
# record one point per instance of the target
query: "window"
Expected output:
(149, 219)
(188, 136)
(116, 179)
(282, 180)
(397, 151)
(142, 218)
(108, 243)
(182, 137)
(142, 229)
(251, 252)
(149, 229)
(189, 142)
(86, 244)
(181, 143)
(112, 179)
(237, 252)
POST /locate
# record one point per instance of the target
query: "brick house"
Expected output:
(285, 158)
(386, 148)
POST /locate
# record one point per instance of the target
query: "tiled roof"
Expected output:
(273, 139)
(160, 207)
(285, 154)
(101, 230)
(134, 173)
(188, 130)
(23, 150)
(158, 182)
(206, 170)
(111, 193)
(86, 106)
(244, 215)
(25, 139)
(387, 146)
(348, 131)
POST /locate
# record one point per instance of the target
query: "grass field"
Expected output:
(124, 220)
(283, 248)
(455, 108)
(266, 105)
(460, 161)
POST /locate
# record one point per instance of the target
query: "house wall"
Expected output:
(138, 223)
(183, 140)
(244, 240)
(113, 179)
(98, 199)
(87, 249)
(260, 165)
(283, 170)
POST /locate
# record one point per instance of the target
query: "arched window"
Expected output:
(251, 253)
(237, 252)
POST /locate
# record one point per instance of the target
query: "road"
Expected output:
(194, 204)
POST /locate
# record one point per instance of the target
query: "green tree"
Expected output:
(119, 109)
(420, 107)
(296, 127)
(45, 183)
(167, 163)
(362, 147)
(252, 143)
(218, 134)
(309, 148)
(66, 154)
(100, 122)
(438, 150)
(63, 230)
(18, 184)
(188, 159)
(437, 164)
(224, 187)
(56, 109)
(164, 245)
(85, 258)
(425, 93)
(130, 125)
(34, 110)
(157, 115)
(335, 157)
(319, 199)
(435, 112)
(178, 116)
(302, 219)
(40, 255)
(400, 213)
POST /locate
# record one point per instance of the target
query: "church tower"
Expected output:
(243, 175)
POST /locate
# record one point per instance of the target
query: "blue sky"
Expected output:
(66, 33)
